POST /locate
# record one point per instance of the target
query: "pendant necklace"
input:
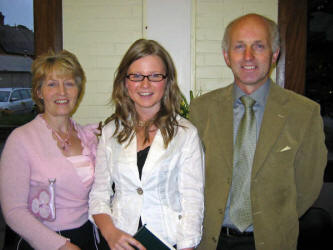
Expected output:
(64, 143)
(142, 124)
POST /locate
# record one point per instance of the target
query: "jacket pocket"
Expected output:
(172, 221)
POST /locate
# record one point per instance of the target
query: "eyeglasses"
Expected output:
(151, 78)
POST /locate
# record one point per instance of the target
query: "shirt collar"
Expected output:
(260, 95)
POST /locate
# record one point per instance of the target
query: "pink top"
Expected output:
(30, 158)
(84, 168)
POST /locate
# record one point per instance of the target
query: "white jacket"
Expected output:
(170, 195)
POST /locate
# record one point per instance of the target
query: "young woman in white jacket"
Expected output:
(150, 163)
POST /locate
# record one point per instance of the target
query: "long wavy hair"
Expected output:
(125, 115)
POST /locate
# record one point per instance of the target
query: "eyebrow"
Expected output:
(256, 41)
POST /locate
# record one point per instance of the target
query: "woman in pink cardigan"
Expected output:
(47, 165)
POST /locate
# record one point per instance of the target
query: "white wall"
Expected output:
(100, 31)
(169, 23)
(212, 16)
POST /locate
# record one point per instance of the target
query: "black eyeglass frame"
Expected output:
(144, 76)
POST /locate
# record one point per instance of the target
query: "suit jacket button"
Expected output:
(139, 191)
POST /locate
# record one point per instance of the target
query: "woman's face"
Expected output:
(146, 94)
(60, 94)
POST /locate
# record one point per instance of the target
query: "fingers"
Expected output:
(136, 243)
(69, 246)
(125, 242)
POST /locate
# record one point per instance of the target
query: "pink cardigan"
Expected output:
(31, 157)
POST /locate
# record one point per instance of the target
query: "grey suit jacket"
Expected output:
(288, 164)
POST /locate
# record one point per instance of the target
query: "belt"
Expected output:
(227, 231)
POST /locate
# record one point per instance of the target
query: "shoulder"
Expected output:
(187, 136)
(302, 100)
(108, 130)
(90, 130)
(214, 95)
(210, 105)
(87, 134)
(293, 100)
(27, 130)
(186, 127)
(185, 123)
(23, 137)
(202, 105)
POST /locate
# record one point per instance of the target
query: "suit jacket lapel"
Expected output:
(275, 116)
(128, 154)
(223, 125)
(156, 151)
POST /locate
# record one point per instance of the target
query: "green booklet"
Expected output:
(150, 240)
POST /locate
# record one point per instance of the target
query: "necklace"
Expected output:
(142, 123)
(64, 143)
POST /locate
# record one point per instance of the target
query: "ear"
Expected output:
(226, 57)
(275, 56)
(39, 94)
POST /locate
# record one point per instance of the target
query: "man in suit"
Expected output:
(265, 152)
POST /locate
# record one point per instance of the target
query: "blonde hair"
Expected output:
(64, 63)
(125, 115)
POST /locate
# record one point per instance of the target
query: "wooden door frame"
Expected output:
(48, 26)
(291, 67)
(292, 20)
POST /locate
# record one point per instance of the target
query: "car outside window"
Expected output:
(4, 95)
(16, 95)
(24, 93)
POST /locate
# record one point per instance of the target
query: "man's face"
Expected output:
(250, 54)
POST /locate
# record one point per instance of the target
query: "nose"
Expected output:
(62, 89)
(248, 54)
(145, 83)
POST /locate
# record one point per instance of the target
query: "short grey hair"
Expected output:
(273, 30)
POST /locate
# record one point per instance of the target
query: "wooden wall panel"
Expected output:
(291, 68)
(48, 25)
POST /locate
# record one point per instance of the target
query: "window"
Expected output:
(16, 96)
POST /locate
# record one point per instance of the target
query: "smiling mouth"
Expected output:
(146, 94)
(249, 67)
(62, 101)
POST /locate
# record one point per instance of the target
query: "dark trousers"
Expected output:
(83, 237)
(235, 242)
(315, 230)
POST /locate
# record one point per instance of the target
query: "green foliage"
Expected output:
(185, 106)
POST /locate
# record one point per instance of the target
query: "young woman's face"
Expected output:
(146, 94)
